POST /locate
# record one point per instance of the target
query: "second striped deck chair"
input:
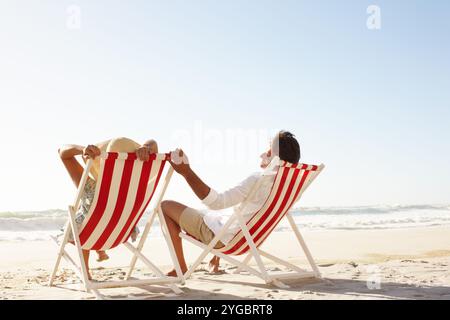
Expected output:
(124, 188)
(290, 182)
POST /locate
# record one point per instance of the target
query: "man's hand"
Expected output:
(180, 162)
(91, 152)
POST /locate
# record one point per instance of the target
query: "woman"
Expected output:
(75, 170)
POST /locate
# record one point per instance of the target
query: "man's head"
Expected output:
(284, 145)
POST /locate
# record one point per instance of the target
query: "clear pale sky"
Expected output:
(373, 105)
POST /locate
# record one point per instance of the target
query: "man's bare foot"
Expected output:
(102, 256)
(214, 265)
(173, 273)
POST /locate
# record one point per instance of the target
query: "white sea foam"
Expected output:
(39, 225)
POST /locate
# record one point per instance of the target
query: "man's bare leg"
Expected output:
(172, 211)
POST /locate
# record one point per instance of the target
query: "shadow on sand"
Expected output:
(353, 289)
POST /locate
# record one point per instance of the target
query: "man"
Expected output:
(205, 227)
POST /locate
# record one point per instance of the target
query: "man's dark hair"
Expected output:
(289, 148)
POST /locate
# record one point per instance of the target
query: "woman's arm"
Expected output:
(69, 151)
(67, 154)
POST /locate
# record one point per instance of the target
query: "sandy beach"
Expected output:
(411, 263)
(329, 116)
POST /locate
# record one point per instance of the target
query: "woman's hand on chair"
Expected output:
(91, 151)
(143, 153)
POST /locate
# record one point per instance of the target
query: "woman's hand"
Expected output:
(91, 152)
(150, 147)
(143, 153)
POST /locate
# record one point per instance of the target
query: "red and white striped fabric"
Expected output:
(123, 191)
(290, 182)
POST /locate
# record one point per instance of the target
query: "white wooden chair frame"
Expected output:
(257, 253)
(81, 271)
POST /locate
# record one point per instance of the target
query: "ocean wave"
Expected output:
(27, 235)
(33, 214)
(360, 210)
(376, 218)
(31, 224)
(38, 225)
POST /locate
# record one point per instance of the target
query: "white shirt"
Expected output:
(237, 197)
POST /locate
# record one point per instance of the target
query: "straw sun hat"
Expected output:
(114, 145)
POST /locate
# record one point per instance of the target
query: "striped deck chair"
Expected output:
(290, 182)
(124, 188)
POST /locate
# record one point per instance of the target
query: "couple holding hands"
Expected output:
(178, 216)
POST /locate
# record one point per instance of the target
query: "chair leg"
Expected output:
(153, 267)
(141, 244)
(84, 271)
(253, 249)
(222, 256)
(55, 270)
(60, 254)
(304, 246)
(98, 295)
(196, 263)
(281, 262)
(245, 262)
(279, 284)
(166, 234)
(208, 248)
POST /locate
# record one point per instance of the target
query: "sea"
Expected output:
(40, 225)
